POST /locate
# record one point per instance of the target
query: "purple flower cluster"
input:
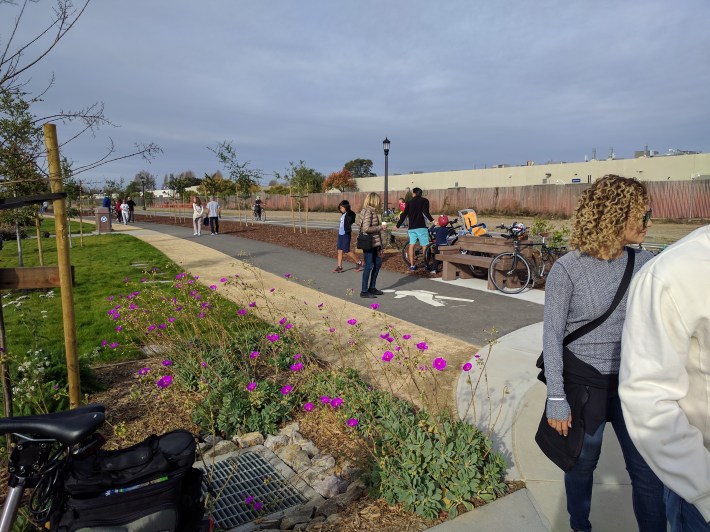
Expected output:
(164, 381)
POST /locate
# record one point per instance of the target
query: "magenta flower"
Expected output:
(287, 275)
(352, 321)
(282, 321)
(422, 346)
(164, 381)
(252, 304)
(223, 280)
(397, 348)
(272, 289)
(439, 364)
(374, 306)
(332, 329)
(288, 326)
(387, 356)
(249, 500)
(171, 320)
(242, 311)
(251, 386)
(298, 366)
(320, 305)
(203, 364)
(167, 363)
(352, 422)
(335, 402)
(151, 327)
(406, 336)
(104, 343)
(161, 326)
(200, 315)
(476, 356)
(308, 407)
(324, 399)
(286, 389)
(143, 371)
(258, 505)
(384, 336)
(467, 366)
(297, 356)
(113, 345)
(272, 337)
(254, 354)
(119, 328)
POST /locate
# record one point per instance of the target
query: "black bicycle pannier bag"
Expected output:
(149, 487)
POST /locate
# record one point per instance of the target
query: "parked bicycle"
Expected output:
(75, 484)
(511, 272)
(424, 256)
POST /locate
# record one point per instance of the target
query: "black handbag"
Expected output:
(364, 240)
(589, 327)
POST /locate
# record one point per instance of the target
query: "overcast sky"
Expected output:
(454, 84)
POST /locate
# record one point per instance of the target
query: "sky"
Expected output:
(453, 84)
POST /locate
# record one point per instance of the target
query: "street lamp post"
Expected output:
(386, 147)
(143, 190)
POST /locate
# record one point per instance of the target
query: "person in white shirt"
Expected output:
(197, 212)
(213, 211)
(125, 212)
(664, 378)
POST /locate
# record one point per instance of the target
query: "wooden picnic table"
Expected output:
(471, 256)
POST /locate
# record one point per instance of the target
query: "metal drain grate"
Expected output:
(248, 475)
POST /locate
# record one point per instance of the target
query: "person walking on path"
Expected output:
(131, 210)
(347, 218)
(106, 204)
(582, 372)
(401, 204)
(197, 212)
(417, 210)
(125, 213)
(370, 223)
(213, 211)
(664, 382)
(119, 215)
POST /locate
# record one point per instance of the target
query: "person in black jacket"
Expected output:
(417, 210)
(347, 219)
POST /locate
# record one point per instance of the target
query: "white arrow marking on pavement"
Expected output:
(425, 296)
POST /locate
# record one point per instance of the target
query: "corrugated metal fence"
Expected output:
(677, 199)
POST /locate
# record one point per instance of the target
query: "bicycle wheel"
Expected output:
(429, 253)
(479, 272)
(418, 255)
(509, 273)
(263, 215)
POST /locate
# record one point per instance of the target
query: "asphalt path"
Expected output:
(447, 308)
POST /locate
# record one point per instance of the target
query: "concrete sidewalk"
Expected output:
(512, 401)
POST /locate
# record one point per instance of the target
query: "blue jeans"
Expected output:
(214, 224)
(683, 516)
(373, 261)
(646, 489)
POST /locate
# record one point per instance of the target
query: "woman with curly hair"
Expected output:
(582, 374)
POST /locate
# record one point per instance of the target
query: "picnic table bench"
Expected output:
(476, 251)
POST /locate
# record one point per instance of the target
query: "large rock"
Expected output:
(220, 448)
(289, 429)
(330, 486)
(250, 439)
(294, 457)
(323, 460)
(275, 442)
(299, 515)
(310, 448)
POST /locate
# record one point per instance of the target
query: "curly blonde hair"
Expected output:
(372, 200)
(603, 213)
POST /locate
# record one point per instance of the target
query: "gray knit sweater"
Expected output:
(579, 289)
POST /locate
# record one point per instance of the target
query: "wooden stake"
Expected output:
(81, 220)
(39, 240)
(64, 263)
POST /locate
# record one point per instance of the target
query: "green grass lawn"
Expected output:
(48, 224)
(33, 320)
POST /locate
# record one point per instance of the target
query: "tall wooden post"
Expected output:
(81, 219)
(39, 240)
(63, 261)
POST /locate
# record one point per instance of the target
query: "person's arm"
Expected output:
(425, 210)
(558, 296)
(657, 342)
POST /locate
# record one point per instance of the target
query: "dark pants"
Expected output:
(131, 216)
(646, 489)
(373, 262)
(683, 516)
(214, 224)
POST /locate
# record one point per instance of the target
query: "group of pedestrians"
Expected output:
(204, 214)
(636, 358)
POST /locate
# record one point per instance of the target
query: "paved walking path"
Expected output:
(539, 507)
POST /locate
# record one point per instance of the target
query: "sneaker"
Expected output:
(376, 292)
(338, 270)
(412, 268)
(212, 234)
(433, 272)
(194, 234)
(367, 294)
(359, 266)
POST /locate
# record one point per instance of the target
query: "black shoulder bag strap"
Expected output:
(589, 327)
(623, 286)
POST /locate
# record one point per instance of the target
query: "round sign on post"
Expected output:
(104, 219)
